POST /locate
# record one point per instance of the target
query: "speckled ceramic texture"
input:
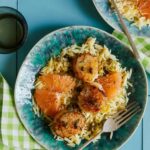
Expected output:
(103, 7)
(37, 58)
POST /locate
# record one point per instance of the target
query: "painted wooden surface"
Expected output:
(44, 16)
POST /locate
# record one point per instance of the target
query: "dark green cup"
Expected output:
(13, 30)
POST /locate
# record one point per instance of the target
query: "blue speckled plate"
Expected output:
(103, 7)
(38, 57)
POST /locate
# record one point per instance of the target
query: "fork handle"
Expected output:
(88, 142)
(111, 135)
(126, 31)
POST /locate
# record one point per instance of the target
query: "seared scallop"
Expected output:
(86, 67)
(68, 123)
(90, 99)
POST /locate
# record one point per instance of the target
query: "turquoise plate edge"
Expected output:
(110, 17)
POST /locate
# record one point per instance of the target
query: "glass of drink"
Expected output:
(13, 29)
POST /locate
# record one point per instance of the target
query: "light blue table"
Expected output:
(44, 16)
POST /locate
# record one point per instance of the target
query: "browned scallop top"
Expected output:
(68, 123)
(86, 67)
(90, 99)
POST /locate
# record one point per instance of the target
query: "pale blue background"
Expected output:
(44, 16)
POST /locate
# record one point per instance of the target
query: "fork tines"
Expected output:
(123, 116)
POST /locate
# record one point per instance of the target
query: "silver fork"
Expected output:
(126, 31)
(116, 121)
